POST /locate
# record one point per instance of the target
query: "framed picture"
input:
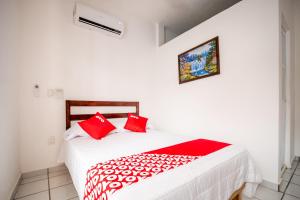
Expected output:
(199, 62)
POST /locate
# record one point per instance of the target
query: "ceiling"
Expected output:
(177, 15)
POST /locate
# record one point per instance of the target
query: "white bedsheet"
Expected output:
(212, 177)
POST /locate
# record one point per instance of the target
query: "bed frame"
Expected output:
(78, 103)
(236, 195)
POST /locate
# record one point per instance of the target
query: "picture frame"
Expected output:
(199, 62)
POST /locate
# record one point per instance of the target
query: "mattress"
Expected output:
(212, 177)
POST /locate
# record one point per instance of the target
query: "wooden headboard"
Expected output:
(77, 103)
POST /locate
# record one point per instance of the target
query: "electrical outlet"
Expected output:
(51, 140)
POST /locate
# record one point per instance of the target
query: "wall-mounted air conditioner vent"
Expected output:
(87, 17)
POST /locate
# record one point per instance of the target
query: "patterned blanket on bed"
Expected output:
(106, 178)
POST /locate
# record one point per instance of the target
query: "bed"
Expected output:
(221, 175)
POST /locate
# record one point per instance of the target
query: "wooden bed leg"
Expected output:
(237, 195)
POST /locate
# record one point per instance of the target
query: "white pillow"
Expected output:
(119, 123)
(75, 131)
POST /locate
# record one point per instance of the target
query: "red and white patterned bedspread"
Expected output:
(105, 178)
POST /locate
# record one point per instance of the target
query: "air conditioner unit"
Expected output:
(92, 19)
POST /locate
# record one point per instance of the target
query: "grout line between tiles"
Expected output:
(48, 184)
(50, 176)
(61, 170)
(48, 173)
(33, 181)
(290, 181)
(295, 183)
(30, 194)
(61, 186)
(293, 196)
(258, 197)
(42, 178)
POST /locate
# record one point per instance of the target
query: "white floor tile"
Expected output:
(297, 172)
(38, 196)
(289, 197)
(32, 188)
(32, 179)
(57, 168)
(283, 186)
(243, 198)
(290, 170)
(296, 180)
(293, 190)
(295, 162)
(76, 198)
(35, 173)
(58, 173)
(267, 194)
(287, 176)
(63, 193)
(60, 180)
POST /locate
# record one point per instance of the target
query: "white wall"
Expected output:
(241, 105)
(9, 143)
(87, 65)
(297, 76)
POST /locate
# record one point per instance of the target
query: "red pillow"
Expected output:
(136, 123)
(97, 126)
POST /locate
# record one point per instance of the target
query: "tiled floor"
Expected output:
(289, 189)
(56, 184)
(48, 184)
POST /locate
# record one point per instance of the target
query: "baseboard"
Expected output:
(16, 187)
(295, 158)
(270, 185)
(282, 171)
(274, 186)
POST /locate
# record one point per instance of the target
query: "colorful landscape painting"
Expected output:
(199, 62)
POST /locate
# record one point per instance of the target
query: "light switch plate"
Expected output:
(50, 92)
(59, 93)
(36, 90)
